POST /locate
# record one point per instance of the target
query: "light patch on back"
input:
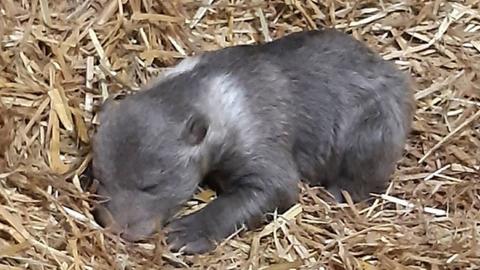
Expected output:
(225, 105)
(183, 66)
(228, 110)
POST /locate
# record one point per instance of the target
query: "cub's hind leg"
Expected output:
(370, 150)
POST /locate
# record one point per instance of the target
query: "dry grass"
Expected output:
(60, 59)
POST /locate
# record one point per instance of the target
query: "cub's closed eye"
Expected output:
(149, 188)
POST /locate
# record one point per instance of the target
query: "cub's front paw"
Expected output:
(191, 234)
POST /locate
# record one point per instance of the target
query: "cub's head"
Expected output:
(145, 161)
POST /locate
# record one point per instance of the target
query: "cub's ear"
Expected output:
(195, 129)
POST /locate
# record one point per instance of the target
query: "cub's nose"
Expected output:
(104, 218)
(141, 230)
(131, 230)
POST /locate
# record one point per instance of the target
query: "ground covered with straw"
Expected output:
(60, 59)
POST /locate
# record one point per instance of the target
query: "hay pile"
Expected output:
(59, 59)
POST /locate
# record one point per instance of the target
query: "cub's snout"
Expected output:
(131, 223)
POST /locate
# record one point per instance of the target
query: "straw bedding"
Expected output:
(60, 59)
